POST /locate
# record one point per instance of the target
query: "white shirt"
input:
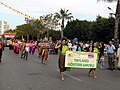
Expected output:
(27, 49)
(74, 48)
(69, 45)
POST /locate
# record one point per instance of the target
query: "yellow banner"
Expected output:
(80, 59)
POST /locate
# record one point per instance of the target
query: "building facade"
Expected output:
(3, 26)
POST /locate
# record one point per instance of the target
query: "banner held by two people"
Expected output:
(76, 59)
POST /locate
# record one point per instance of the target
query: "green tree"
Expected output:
(10, 31)
(62, 15)
(24, 30)
(103, 29)
(37, 26)
(52, 33)
(78, 29)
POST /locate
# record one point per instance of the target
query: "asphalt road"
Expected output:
(19, 74)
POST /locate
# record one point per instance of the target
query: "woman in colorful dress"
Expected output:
(22, 49)
(40, 49)
(16, 47)
(30, 49)
(63, 48)
(93, 70)
(45, 51)
(33, 47)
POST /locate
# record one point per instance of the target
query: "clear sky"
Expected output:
(80, 9)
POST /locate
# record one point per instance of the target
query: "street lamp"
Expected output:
(116, 31)
(112, 11)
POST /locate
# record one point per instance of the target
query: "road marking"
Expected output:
(36, 60)
(64, 73)
(72, 77)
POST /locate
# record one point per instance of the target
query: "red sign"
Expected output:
(9, 35)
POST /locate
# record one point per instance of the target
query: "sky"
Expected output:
(80, 9)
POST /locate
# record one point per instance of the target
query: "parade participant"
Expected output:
(16, 47)
(102, 62)
(70, 45)
(30, 51)
(45, 51)
(40, 48)
(93, 70)
(63, 48)
(79, 48)
(83, 47)
(27, 47)
(10, 44)
(87, 46)
(110, 53)
(118, 56)
(57, 45)
(74, 47)
(1, 50)
(22, 49)
(33, 47)
(51, 51)
(56, 49)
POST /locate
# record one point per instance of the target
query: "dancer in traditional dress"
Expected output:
(45, 50)
(63, 48)
(40, 49)
(33, 47)
(16, 47)
(93, 70)
(22, 49)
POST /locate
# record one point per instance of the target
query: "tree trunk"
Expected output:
(47, 33)
(27, 37)
(62, 27)
(38, 35)
(22, 38)
(117, 19)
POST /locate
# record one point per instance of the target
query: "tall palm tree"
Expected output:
(62, 15)
(117, 20)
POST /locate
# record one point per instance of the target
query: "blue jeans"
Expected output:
(26, 55)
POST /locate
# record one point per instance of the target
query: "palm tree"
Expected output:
(62, 15)
(117, 19)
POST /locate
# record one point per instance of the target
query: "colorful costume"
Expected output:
(61, 61)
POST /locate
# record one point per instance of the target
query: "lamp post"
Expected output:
(116, 31)
(111, 14)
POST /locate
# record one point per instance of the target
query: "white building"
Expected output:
(3, 26)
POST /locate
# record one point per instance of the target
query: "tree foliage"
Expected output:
(63, 15)
(102, 29)
(79, 29)
(52, 33)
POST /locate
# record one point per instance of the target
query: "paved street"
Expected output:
(19, 74)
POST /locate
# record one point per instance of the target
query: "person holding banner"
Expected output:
(63, 48)
(93, 70)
